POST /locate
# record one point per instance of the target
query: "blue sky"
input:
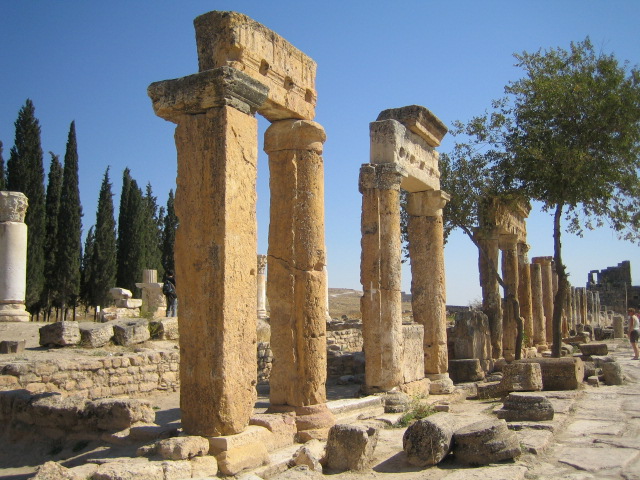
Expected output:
(92, 62)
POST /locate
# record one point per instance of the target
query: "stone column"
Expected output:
(13, 257)
(216, 140)
(547, 294)
(380, 275)
(597, 309)
(261, 293)
(566, 324)
(524, 292)
(428, 287)
(491, 298)
(509, 248)
(537, 305)
(153, 300)
(574, 308)
(583, 305)
(296, 285)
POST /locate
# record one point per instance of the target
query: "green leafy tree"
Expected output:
(3, 175)
(25, 173)
(123, 231)
(52, 208)
(574, 145)
(69, 228)
(103, 256)
(169, 235)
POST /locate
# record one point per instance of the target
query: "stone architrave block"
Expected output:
(413, 353)
(131, 332)
(350, 447)
(485, 442)
(12, 346)
(526, 407)
(164, 328)
(182, 448)
(60, 334)
(565, 373)
(427, 441)
(118, 293)
(593, 349)
(466, 370)
(95, 335)
(521, 377)
(612, 373)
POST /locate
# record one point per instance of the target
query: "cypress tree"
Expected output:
(151, 232)
(52, 207)
(25, 173)
(123, 230)
(69, 227)
(135, 250)
(103, 257)
(3, 181)
(169, 235)
(86, 271)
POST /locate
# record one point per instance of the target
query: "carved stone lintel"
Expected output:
(420, 120)
(197, 93)
(13, 206)
(262, 264)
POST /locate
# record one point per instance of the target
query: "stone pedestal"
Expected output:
(261, 287)
(216, 140)
(428, 287)
(509, 248)
(537, 306)
(153, 300)
(491, 299)
(524, 293)
(547, 294)
(13, 257)
(296, 285)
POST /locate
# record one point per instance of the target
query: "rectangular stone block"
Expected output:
(413, 354)
(60, 334)
(95, 335)
(130, 333)
(12, 346)
(253, 434)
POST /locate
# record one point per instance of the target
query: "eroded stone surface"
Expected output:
(485, 442)
(350, 447)
(428, 441)
(60, 334)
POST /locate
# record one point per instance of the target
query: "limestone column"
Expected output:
(13, 257)
(491, 298)
(524, 292)
(261, 280)
(537, 305)
(547, 294)
(597, 309)
(568, 307)
(428, 287)
(296, 284)
(380, 275)
(153, 300)
(216, 140)
(509, 248)
(574, 308)
(583, 305)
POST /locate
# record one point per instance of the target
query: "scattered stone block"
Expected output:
(129, 303)
(466, 370)
(396, 402)
(559, 373)
(594, 381)
(427, 441)
(521, 377)
(350, 447)
(612, 373)
(182, 448)
(301, 472)
(129, 471)
(413, 352)
(593, 349)
(164, 328)
(113, 414)
(490, 390)
(12, 346)
(53, 471)
(60, 334)
(313, 421)
(525, 406)
(206, 466)
(253, 434)
(304, 456)
(176, 469)
(118, 293)
(281, 425)
(233, 461)
(471, 338)
(131, 332)
(485, 442)
(95, 335)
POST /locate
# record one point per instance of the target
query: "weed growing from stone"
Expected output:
(417, 410)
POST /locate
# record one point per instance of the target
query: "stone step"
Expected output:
(350, 409)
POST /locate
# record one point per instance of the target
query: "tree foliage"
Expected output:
(52, 208)
(169, 235)
(123, 231)
(25, 173)
(3, 175)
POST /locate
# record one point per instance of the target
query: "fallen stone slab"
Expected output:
(233, 461)
(490, 390)
(350, 447)
(182, 448)
(131, 332)
(130, 471)
(204, 467)
(485, 442)
(427, 441)
(565, 373)
(466, 370)
(95, 335)
(12, 346)
(534, 441)
(59, 334)
(590, 349)
(594, 459)
(114, 414)
(494, 472)
(521, 377)
(117, 293)
(526, 406)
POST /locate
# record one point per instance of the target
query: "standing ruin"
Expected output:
(246, 68)
(403, 156)
(13, 257)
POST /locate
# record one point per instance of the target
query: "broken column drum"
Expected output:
(13, 257)
(402, 156)
(246, 68)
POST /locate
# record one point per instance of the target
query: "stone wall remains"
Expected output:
(346, 334)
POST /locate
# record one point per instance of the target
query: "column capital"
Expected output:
(197, 93)
(294, 134)
(542, 260)
(383, 176)
(13, 206)
(508, 241)
(262, 264)
(428, 203)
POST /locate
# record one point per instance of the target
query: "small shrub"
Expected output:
(417, 411)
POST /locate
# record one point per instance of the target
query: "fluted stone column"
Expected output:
(13, 257)
(380, 275)
(261, 287)
(524, 292)
(547, 294)
(537, 305)
(491, 298)
(428, 287)
(509, 248)
(216, 140)
(296, 285)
